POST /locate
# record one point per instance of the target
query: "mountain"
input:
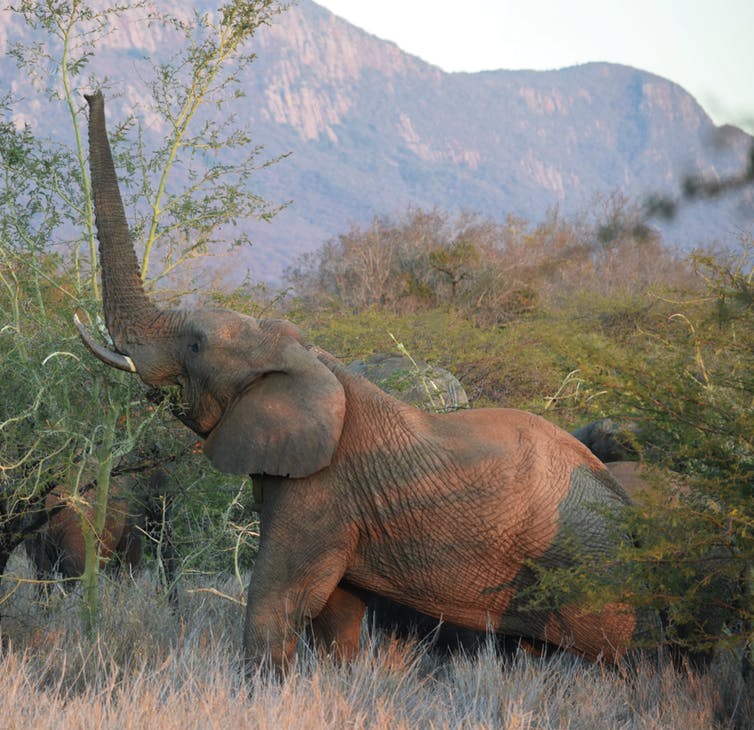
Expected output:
(372, 129)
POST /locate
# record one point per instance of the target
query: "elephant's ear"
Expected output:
(286, 423)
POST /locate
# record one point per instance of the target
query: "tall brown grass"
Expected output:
(149, 667)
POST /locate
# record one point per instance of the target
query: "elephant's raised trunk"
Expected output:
(129, 313)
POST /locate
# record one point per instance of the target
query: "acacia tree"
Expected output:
(701, 424)
(40, 441)
(46, 199)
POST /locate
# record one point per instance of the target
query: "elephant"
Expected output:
(454, 515)
(59, 545)
(610, 440)
(133, 514)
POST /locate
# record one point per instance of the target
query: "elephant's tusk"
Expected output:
(114, 359)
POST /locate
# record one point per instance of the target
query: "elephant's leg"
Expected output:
(282, 602)
(337, 627)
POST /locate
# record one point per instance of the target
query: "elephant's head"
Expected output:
(259, 396)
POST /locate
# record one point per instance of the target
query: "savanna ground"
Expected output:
(148, 667)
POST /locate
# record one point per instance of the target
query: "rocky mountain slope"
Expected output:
(372, 129)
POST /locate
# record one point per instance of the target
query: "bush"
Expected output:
(489, 272)
(685, 373)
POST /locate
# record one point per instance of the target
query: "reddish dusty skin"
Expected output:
(64, 535)
(446, 535)
(444, 513)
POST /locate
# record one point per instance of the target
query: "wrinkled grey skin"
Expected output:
(437, 390)
(448, 514)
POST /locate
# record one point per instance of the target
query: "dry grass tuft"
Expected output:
(149, 667)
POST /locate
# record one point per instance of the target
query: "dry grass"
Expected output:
(149, 668)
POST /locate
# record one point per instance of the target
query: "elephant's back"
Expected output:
(527, 453)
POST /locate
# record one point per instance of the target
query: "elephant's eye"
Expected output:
(194, 346)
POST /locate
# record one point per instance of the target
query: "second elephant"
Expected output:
(138, 513)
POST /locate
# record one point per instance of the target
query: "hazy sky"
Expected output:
(707, 46)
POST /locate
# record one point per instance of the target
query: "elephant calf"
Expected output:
(131, 516)
(59, 546)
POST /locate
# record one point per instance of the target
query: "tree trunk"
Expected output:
(93, 532)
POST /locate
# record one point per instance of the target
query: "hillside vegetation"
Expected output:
(369, 128)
